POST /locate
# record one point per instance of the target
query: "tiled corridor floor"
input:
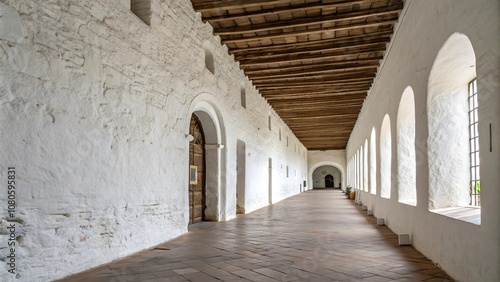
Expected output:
(314, 236)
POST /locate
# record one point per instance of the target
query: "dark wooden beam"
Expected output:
(353, 96)
(363, 85)
(318, 116)
(285, 96)
(226, 40)
(315, 71)
(299, 96)
(223, 5)
(310, 51)
(350, 74)
(337, 79)
(277, 11)
(310, 21)
(281, 69)
(351, 54)
(339, 42)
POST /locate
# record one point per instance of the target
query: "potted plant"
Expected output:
(348, 191)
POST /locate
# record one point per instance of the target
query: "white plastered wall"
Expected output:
(466, 251)
(94, 110)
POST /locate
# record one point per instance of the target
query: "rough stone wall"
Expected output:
(94, 108)
(466, 251)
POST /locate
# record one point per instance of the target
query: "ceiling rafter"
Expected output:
(377, 23)
(270, 70)
(320, 20)
(351, 54)
(316, 50)
(277, 11)
(288, 47)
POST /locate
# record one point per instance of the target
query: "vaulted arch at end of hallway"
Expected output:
(213, 128)
(334, 164)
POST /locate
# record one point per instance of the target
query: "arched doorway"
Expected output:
(211, 121)
(329, 181)
(197, 194)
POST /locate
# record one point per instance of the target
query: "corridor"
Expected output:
(314, 236)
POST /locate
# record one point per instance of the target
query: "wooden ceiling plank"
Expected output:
(375, 52)
(285, 96)
(314, 116)
(313, 81)
(286, 47)
(338, 78)
(351, 74)
(319, 49)
(279, 100)
(317, 86)
(324, 70)
(333, 64)
(308, 31)
(277, 11)
(329, 108)
(311, 93)
(322, 99)
(304, 22)
(224, 5)
(314, 95)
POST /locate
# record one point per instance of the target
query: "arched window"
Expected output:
(406, 176)
(361, 169)
(385, 158)
(356, 162)
(350, 173)
(450, 141)
(365, 167)
(373, 162)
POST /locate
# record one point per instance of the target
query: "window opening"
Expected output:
(142, 9)
(243, 98)
(475, 186)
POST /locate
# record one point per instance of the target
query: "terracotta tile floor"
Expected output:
(315, 236)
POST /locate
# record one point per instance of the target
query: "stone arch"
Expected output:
(213, 128)
(447, 113)
(331, 163)
(407, 170)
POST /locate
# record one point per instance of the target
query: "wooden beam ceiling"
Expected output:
(313, 60)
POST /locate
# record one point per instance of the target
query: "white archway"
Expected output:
(405, 142)
(365, 167)
(213, 128)
(385, 158)
(373, 162)
(448, 121)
